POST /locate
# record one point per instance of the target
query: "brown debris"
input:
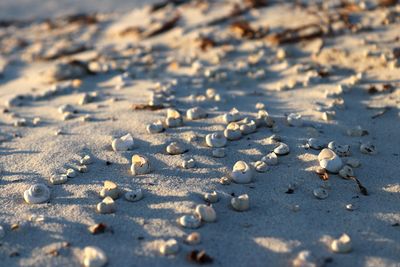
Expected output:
(302, 33)
(146, 107)
(255, 3)
(98, 228)
(387, 3)
(199, 257)
(322, 173)
(362, 188)
(164, 27)
(243, 29)
(206, 43)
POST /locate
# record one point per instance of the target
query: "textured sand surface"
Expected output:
(271, 233)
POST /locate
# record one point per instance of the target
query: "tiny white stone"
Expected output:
(342, 245)
(218, 152)
(215, 140)
(232, 116)
(206, 213)
(320, 193)
(123, 143)
(315, 143)
(232, 131)
(351, 207)
(305, 259)
(295, 119)
(189, 221)
(71, 173)
(176, 148)
(134, 195)
(330, 161)
(225, 180)
(193, 239)
(264, 119)
(241, 173)
(83, 169)
(174, 118)
(261, 166)
(140, 165)
(196, 113)
(248, 127)
(59, 179)
(270, 159)
(94, 257)
(110, 189)
(211, 197)
(86, 160)
(240, 203)
(106, 206)
(36, 194)
(169, 247)
(281, 149)
(155, 127)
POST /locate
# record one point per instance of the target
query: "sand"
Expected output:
(271, 233)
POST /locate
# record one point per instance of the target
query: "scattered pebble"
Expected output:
(270, 159)
(169, 247)
(320, 193)
(174, 118)
(342, 245)
(123, 143)
(351, 207)
(110, 189)
(193, 238)
(211, 197)
(315, 143)
(368, 148)
(189, 221)
(329, 160)
(36, 194)
(346, 172)
(241, 173)
(206, 213)
(140, 165)
(232, 131)
(188, 163)
(295, 119)
(71, 173)
(94, 257)
(155, 127)
(86, 160)
(196, 113)
(261, 166)
(240, 203)
(176, 148)
(134, 195)
(59, 179)
(106, 206)
(232, 116)
(282, 149)
(199, 257)
(216, 140)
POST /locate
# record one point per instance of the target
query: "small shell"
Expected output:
(240, 203)
(155, 127)
(83, 169)
(261, 166)
(232, 116)
(282, 149)
(66, 108)
(346, 172)
(189, 163)
(270, 159)
(295, 119)
(134, 195)
(305, 259)
(86, 160)
(106, 206)
(320, 193)
(241, 173)
(264, 119)
(368, 148)
(176, 148)
(94, 257)
(71, 173)
(174, 118)
(218, 153)
(59, 179)
(169, 247)
(123, 143)
(193, 239)
(232, 131)
(342, 245)
(140, 165)
(110, 189)
(330, 161)
(249, 127)
(36, 194)
(196, 113)
(340, 150)
(211, 197)
(351, 207)
(189, 221)
(315, 143)
(215, 140)
(206, 213)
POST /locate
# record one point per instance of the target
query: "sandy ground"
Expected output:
(243, 71)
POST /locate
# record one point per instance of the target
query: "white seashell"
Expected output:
(295, 119)
(123, 143)
(140, 165)
(94, 257)
(211, 93)
(351, 207)
(232, 116)
(174, 118)
(83, 169)
(196, 113)
(261, 166)
(264, 119)
(259, 105)
(193, 239)
(215, 140)
(155, 127)
(176, 148)
(189, 163)
(281, 149)
(169, 247)
(270, 159)
(36, 194)
(110, 189)
(106, 206)
(342, 245)
(248, 128)
(71, 173)
(305, 259)
(353, 162)
(58, 179)
(189, 221)
(241, 173)
(134, 195)
(232, 131)
(340, 150)
(320, 193)
(218, 153)
(211, 197)
(86, 160)
(240, 203)
(225, 180)
(346, 172)
(2, 232)
(315, 143)
(206, 213)
(330, 161)
(368, 148)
